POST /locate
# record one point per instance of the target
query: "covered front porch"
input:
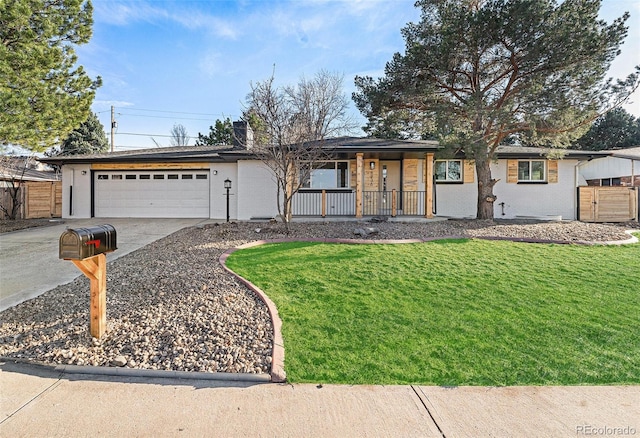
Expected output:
(390, 185)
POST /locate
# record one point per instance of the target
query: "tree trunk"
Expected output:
(286, 212)
(15, 192)
(486, 198)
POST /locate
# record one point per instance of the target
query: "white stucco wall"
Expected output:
(218, 194)
(80, 206)
(456, 200)
(257, 191)
(552, 199)
(253, 193)
(538, 200)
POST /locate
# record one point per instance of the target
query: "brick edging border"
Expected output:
(278, 374)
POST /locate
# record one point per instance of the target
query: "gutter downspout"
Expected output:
(73, 174)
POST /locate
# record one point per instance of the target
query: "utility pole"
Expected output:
(113, 126)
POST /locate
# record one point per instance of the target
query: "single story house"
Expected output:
(366, 177)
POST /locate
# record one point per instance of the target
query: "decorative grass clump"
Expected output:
(453, 312)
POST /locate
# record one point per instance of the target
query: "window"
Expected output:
(531, 170)
(187, 176)
(129, 177)
(611, 182)
(103, 176)
(145, 176)
(158, 176)
(328, 175)
(116, 176)
(448, 170)
(172, 176)
(201, 176)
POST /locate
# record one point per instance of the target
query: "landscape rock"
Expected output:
(182, 311)
(367, 231)
(119, 361)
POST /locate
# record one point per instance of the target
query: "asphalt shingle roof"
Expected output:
(338, 144)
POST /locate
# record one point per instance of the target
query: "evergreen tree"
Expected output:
(89, 138)
(484, 71)
(220, 134)
(615, 130)
(44, 94)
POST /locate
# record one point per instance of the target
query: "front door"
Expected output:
(389, 180)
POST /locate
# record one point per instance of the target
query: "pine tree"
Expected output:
(615, 130)
(486, 71)
(44, 94)
(219, 134)
(89, 138)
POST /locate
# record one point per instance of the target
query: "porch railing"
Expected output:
(325, 203)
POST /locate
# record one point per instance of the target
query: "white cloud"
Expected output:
(211, 64)
(124, 13)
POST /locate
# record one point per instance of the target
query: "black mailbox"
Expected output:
(81, 243)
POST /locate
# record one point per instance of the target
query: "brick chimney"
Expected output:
(242, 135)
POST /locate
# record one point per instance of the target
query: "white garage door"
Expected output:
(162, 194)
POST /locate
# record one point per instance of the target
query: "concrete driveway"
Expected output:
(29, 264)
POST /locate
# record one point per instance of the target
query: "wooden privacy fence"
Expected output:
(607, 204)
(40, 199)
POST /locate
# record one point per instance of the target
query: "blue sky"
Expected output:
(191, 62)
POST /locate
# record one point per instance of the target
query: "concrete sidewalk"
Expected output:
(29, 263)
(39, 402)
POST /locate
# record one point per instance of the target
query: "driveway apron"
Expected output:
(29, 263)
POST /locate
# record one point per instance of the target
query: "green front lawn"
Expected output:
(454, 312)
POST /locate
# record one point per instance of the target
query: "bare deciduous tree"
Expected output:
(179, 136)
(12, 170)
(290, 124)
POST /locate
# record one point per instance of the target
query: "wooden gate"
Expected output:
(607, 204)
(43, 199)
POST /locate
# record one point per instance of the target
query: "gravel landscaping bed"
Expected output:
(7, 225)
(171, 306)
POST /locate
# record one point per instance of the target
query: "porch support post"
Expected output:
(324, 203)
(359, 178)
(428, 203)
(394, 203)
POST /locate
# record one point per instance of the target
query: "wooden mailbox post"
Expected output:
(86, 248)
(95, 269)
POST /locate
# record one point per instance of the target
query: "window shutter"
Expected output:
(410, 174)
(468, 171)
(512, 171)
(352, 167)
(552, 175)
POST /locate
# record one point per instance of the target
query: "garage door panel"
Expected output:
(156, 196)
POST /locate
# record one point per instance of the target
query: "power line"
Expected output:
(173, 112)
(145, 135)
(161, 117)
